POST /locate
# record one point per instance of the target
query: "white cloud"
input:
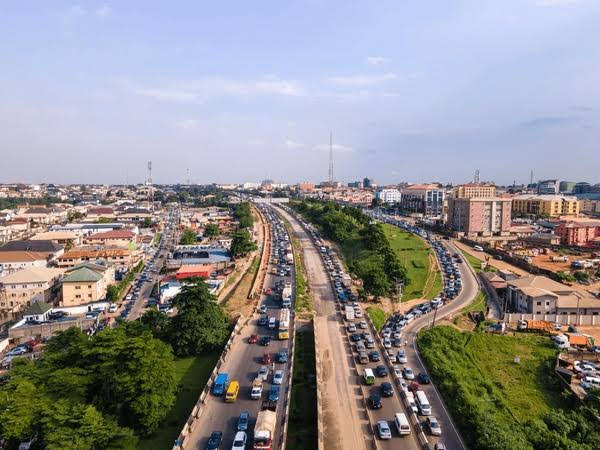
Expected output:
(375, 60)
(104, 11)
(292, 145)
(363, 80)
(255, 142)
(198, 91)
(555, 2)
(187, 124)
(337, 148)
(70, 15)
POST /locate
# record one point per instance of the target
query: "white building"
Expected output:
(389, 195)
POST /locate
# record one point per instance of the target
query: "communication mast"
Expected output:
(331, 158)
(476, 178)
(150, 187)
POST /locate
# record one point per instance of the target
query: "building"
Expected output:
(536, 294)
(14, 229)
(119, 256)
(475, 190)
(368, 183)
(37, 312)
(305, 186)
(480, 216)
(388, 196)
(589, 204)
(578, 232)
(96, 213)
(49, 248)
(566, 187)
(58, 237)
(550, 187)
(424, 199)
(545, 205)
(113, 238)
(86, 283)
(356, 184)
(12, 261)
(18, 289)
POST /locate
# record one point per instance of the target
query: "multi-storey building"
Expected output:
(545, 205)
(548, 187)
(86, 283)
(479, 216)
(425, 199)
(388, 195)
(579, 233)
(475, 190)
(119, 256)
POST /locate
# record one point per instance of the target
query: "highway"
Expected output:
(450, 435)
(347, 422)
(242, 364)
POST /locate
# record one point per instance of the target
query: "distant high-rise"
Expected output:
(548, 187)
(368, 183)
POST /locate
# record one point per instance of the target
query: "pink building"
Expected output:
(480, 216)
(581, 233)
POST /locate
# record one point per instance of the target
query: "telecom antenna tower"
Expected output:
(188, 177)
(476, 178)
(150, 187)
(331, 159)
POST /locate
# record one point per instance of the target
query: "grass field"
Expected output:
(479, 378)
(378, 316)
(479, 303)
(413, 253)
(302, 423)
(191, 375)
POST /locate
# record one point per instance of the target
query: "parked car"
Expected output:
(253, 339)
(214, 441)
(383, 429)
(242, 423)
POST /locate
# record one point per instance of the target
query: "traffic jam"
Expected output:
(263, 407)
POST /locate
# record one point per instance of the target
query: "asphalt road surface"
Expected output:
(347, 422)
(243, 363)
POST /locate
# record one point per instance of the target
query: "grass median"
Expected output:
(302, 422)
(378, 316)
(191, 375)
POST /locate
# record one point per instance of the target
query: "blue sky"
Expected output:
(240, 91)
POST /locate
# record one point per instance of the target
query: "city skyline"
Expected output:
(417, 93)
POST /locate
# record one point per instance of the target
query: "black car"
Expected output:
(263, 320)
(374, 356)
(214, 441)
(381, 371)
(265, 341)
(386, 389)
(356, 337)
(375, 400)
(423, 378)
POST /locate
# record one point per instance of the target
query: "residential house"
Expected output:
(17, 289)
(118, 256)
(86, 283)
(14, 229)
(114, 238)
(96, 213)
(37, 312)
(66, 238)
(51, 249)
(12, 261)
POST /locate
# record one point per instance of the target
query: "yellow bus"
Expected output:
(284, 324)
(232, 392)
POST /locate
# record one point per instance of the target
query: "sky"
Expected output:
(240, 91)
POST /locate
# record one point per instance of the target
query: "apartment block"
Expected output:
(545, 205)
(581, 233)
(86, 283)
(425, 199)
(475, 190)
(388, 196)
(480, 216)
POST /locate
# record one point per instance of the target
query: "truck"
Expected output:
(264, 429)
(349, 312)
(257, 388)
(536, 325)
(220, 385)
(561, 258)
(286, 297)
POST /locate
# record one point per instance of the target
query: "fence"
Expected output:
(198, 409)
(564, 319)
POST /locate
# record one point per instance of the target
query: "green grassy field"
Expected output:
(302, 424)
(479, 303)
(480, 380)
(378, 317)
(191, 375)
(413, 253)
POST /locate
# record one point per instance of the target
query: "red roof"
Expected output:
(101, 210)
(114, 234)
(192, 271)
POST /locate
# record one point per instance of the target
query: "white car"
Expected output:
(351, 328)
(402, 357)
(358, 313)
(408, 373)
(387, 333)
(263, 373)
(387, 343)
(404, 386)
(383, 429)
(278, 377)
(391, 356)
(434, 426)
(239, 441)
(363, 324)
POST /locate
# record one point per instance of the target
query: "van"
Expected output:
(423, 403)
(272, 323)
(479, 248)
(232, 392)
(369, 377)
(402, 424)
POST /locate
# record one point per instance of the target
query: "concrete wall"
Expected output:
(564, 319)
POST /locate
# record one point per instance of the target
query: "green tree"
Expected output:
(72, 216)
(104, 220)
(188, 237)
(200, 324)
(241, 244)
(112, 292)
(157, 322)
(19, 409)
(211, 230)
(243, 214)
(147, 223)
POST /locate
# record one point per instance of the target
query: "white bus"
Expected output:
(423, 403)
(284, 324)
(401, 423)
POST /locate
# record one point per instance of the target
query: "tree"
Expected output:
(18, 409)
(104, 220)
(211, 230)
(147, 223)
(200, 324)
(188, 237)
(112, 292)
(243, 214)
(241, 244)
(157, 322)
(74, 215)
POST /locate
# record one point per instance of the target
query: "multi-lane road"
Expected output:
(242, 364)
(347, 420)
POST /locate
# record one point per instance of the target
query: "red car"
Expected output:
(414, 386)
(253, 339)
(268, 291)
(267, 359)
